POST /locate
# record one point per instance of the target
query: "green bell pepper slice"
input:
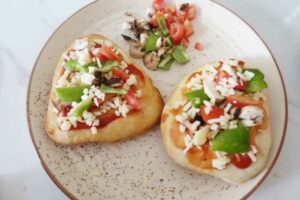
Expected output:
(69, 94)
(165, 63)
(257, 83)
(81, 107)
(161, 21)
(232, 140)
(197, 97)
(180, 55)
(109, 65)
(72, 65)
(107, 89)
(150, 43)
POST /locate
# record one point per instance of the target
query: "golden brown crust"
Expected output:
(231, 173)
(119, 129)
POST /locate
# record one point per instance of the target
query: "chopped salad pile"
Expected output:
(96, 86)
(163, 36)
(222, 108)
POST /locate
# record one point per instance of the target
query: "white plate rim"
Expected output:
(69, 194)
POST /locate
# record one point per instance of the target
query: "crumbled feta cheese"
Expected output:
(220, 163)
(187, 106)
(201, 136)
(179, 118)
(215, 120)
(150, 11)
(210, 90)
(253, 149)
(227, 108)
(65, 126)
(96, 122)
(195, 125)
(248, 75)
(227, 68)
(252, 113)
(96, 102)
(138, 93)
(87, 78)
(192, 112)
(83, 56)
(252, 156)
(248, 123)
(131, 80)
(94, 130)
(233, 124)
(92, 70)
(62, 81)
(124, 109)
(182, 128)
(55, 110)
(214, 127)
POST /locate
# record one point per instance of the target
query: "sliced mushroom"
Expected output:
(136, 52)
(136, 29)
(145, 25)
(162, 51)
(183, 6)
(151, 60)
(131, 41)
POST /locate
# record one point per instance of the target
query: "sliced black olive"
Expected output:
(97, 82)
(237, 112)
(98, 74)
(112, 81)
(199, 118)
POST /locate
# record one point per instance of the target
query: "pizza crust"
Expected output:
(231, 173)
(119, 129)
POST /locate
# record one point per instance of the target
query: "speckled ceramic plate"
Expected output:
(140, 168)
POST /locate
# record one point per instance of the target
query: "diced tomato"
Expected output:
(215, 113)
(134, 70)
(188, 28)
(170, 20)
(158, 4)
(153, 22)
(185, 42)
(119, 73)
(242, 85)
(177, 33)
(107, 117)
(132, 100)
(101, 57)
(240, 161)
(220, 75)
(240, 100)
(198, 46)
(191, 12)
(108, 53)
(65, 110)
(181, 16)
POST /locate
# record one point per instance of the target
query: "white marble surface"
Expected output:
(25, 27)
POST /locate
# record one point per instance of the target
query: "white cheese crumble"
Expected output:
(143, 38)
(201, 136)
(251, 115)
(66, 125)
(220, 163)
(187, 106)
(210, 90)
(94, 130)
(87, 78)
(138, 93)
(131, 80)
(252, 156)
(182, 128)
